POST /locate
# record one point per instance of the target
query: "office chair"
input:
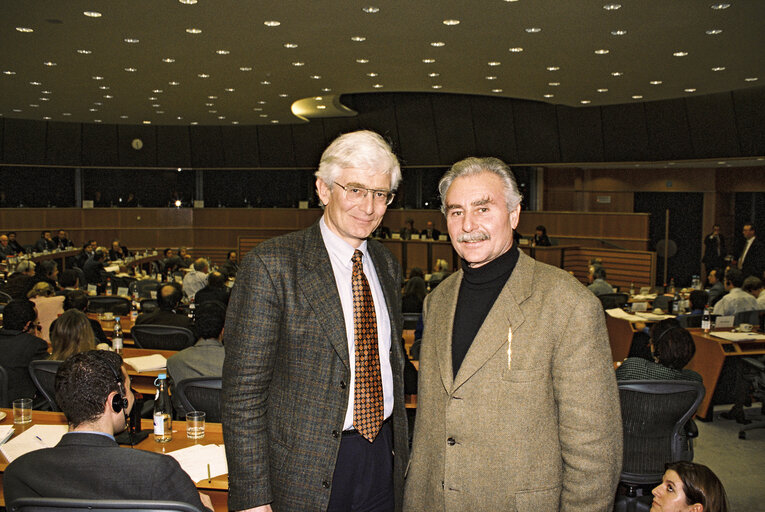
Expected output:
(113, 304)
(4, 388)
(79, 505)
(688, 321)
(654, 417)
(162, 337)
(149, 305)
(43, 373)
(5, 298)
(748, 317)
(410, 320)
(144, 287)
(201, 394)
(613, 300)
(755, 374)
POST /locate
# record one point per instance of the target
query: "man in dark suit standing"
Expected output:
(751, 258)
(714, 249)
(93, 391)
(313, 400)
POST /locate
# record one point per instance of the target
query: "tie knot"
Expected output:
(357, 255)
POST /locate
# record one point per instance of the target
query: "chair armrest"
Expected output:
(756, 363)
(691, 430)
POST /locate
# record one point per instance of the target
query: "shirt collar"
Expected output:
(91, 432)
(339, 248)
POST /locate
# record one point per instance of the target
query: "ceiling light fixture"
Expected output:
(602, 51)
(188, 2)
(222, 52)
(103, 87)
(290, 45)
(553, 68)
(451, 23)
(131, 40)
(372, 75)
(553, 84)
(617, 73)
(718, 68)
(272, 23)
(720, 6)
(97, 77)
(326, 89)
(549, 95)
(9, 72)
(168, 60)
(494, 63)
(713, 31)
(612, 7)
(203, 75)
(358, 39)
(378, 86)
(362, 61)
(491, 78)
(371, 9)
(49, 63)
(436, 86)
(173, 83)
(92, 14)
(496, 90)
(212, 97)
(229, 89)
(584, 102)
(515, 49)
(283, 95)
(157, 91)
(618, 32)
(637, 97)
(315, 77)
(690, 89)
(265, 82)
(321, 107)
(679, 54)
(434, 75)
(35, 83)
(437, 44)
(428, 61)
(751, 79)
(602, 90)
(656, 82)
(24, 29)
(298, 63)
(131, 70)
(533, 30)
(84, 52)
(245, 68)
(194, 30)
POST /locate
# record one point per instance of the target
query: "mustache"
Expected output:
(477, 236)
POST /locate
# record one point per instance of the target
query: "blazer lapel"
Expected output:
(446, 305)
(317, 281)
(386, 277)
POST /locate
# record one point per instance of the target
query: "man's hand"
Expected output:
(262, 508)
(206, 501)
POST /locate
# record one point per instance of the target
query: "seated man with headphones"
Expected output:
(93, 391)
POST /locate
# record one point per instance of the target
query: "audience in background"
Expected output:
(71, 334)
(430, 232)
(19, 345)
(196, 279)
(47, 272)
(751, 259)
(118, 251)
(68, 280)
(440, 272)
(216, 289)
(408, 230)
(78, 300)
(716, 286)
(540, 237)
(170, 262)
(230, 267)
(737, 300)
(13, 243)
(45, 243)
(21, 281)
(48, 306)
(753, 286)
(6, 251)
(184, 257)
(689, 486)
(62, 240)
(597, 278)
(696, 302)
(168, 299)
(94, 270)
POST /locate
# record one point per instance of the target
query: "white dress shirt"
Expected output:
(340, 254)
(743, 253)
(735, 301)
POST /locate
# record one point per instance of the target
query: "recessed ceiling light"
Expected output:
(97, 77)
(436, 86)
(751, 79)
(722, 162)
(680, 54)
(209, 104)
(315, 77)
(272, 23)
(496, 90)
(221, 117)
(283, 95)
(146, 122)
(553, 84)
(378, 86)
(265, 82)
(428, 61)
(263, 115)
(46, 92)
(515, 49)
(203, 75)
(173, 83)
(372, 74)
(358, 39)
(49, 63)
(491, 78)
(584, 102)
(188, 2)
(617, 73)
(97, 103)
(371, 9)
(602, 51)
(131, 40)
(602, 90)
(93, 109)
(34, 105)
(326, 89)
(212, 97)
(718, 68)
(108, 96)
(9, 72)
(123, 117)
(290, 45)
(261, 102)
(533, 30)
(549, 95)
(494, 63)
(157, 91)
(257, 109)
(155, 105)
(35, 83)
(194, 123)
(713, 31)
(362, 61)
(222, 52)
(103, 87)
(298, 63)
(24, 29)
(212, 111)
(618, 32)
(438, 44)
(612, 7)
(47, 118)
(168, 60)
(321, 107)
(229, 89)
(637, 97)
(433, 75)
(245, 68)
(92, 14)
(553, 68)
(194, 30)
(152, 98)
(274, 121)
(451, 22)
(66, 113)
(234, 122)
(690, 89)
(656, 82)
(719, 7)
(44, 99)
(17, 110)
(131, 70)
(84, 52)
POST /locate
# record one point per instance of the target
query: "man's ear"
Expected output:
(323, 191)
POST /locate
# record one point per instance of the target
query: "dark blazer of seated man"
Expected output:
(168, 299)
(19, 346)
(93, 391)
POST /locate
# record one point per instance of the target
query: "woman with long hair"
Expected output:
(71, 334)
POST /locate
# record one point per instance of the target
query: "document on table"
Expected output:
(653, 316)
(620, 313)
(738, 336)
(195, 459)
(147, 363)
(6, 431)
(34, 438)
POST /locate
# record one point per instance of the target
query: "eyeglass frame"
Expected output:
(389, 193)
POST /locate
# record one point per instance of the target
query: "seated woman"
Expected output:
(672, 348)
(689, 487)
(71, 334)
(540, 238)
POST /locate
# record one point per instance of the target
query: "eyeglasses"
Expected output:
(355, 194)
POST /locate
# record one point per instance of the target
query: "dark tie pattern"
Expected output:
(368, 393)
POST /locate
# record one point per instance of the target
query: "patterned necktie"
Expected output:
(367, 392)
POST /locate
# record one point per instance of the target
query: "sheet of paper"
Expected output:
(122, 291)
(34, 438)
(737, 336)
(194, 460)
(147, 363)
(6, 431)
(112, 268)
(653, 316)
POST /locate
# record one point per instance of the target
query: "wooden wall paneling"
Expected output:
(668, 133)
(240, 146)
(376, 112)
(536, 132)
(494, 128)
(276, 146)
(453, 120)
(625, 136)
(416, 255)
(63, 143)
(144, 157)
(173, 146)
(100, 144)
(416, 129)
(712, 123)
(336, 126)
(2, 139)
(749, 105)
(309, 143)
(24, 141)
(622, 267)
(581, 134)
(206, 146)
(396, 247)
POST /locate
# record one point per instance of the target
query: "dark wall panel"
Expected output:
(276, 146)
(536, 132)
(581, 134)
(625, 137)
(309, 142)
(64, 143)
(377, 112)
(750, 120)
(494, 128)
(240, 146)
(100, 144)
(454, 127)
(206, 146)
(24, 141)
(144, 157)
(712, 123)
(416, 129)
(336, 126)
(668, 134)
(173, 146)
(2, 139)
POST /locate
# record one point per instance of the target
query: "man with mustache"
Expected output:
(518, 407)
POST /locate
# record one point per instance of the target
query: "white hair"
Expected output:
(362, 149)
(472, 166)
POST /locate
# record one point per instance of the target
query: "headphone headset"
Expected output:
(119, 402)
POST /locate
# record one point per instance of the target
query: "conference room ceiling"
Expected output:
(223, 62)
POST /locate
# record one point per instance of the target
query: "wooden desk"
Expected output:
(620, 337)
(143, 382)
(217, 488)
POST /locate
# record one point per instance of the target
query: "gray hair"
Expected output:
(200, 264)
(472, 166)
(362, 149)
(25, 266)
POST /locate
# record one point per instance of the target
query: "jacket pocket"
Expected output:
(539, 500)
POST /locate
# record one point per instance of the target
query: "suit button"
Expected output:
(335, 434)
(451, 441)
(342, 384)
(325, 484)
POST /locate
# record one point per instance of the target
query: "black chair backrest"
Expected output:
(654, 413)
(5, 298)
(121, 282)
(689, 321)
(81, 281)
(103, 304)
(3, 388)
(613, 300)
(79, 505)
(410, 320)
(144, 287)
(748, 317)
(149, 305)
(43, 374)
(162, 337)
(663, 302)
(201, 394)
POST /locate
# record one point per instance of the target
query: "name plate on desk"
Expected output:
(415, 237)
(396, 236)
(442, 238)
(639, 306)
(723, 322)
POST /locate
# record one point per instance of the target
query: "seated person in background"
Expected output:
(196, 279)
(184, 257)
(597, 278)
(13, 243)
(70, 334)
(216, 289)
(131, 201)
(19, 345)
(430, 232)
(47, 272)
(78, 300)
(230, 267)
(381, 232)
(94, 270)
(692, 487)
(737, 300)
(414, 294)
(170, 262)
(6, 251)
(408, 230)
(753, 286)
(62, 240)
(68, 281)
(205, 358)
(21, 281)
(45, 243)
(118, 251)
(540, 237)
(440, 272)
(168, 299)
(48, 306)
(696, 302)
(93, 391)
(672, 348)
(88, 249)
(716, 287)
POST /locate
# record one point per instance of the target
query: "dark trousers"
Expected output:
(363, 478)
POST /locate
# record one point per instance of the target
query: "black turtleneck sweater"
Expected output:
(479, 289)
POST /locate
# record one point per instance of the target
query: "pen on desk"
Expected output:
(40, 439)
(509, 346)
(209, 478)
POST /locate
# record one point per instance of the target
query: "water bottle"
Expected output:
(706, 320)
(163, 411)
(192, 306)
(676, 304)
(632, 288)
(108, 286)
(117, 338)
(134, 309)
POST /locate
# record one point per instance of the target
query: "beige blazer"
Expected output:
(534, 426)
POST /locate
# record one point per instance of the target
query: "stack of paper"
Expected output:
(6, 431)
(147, 363)
(34, 438)
(195, 460)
